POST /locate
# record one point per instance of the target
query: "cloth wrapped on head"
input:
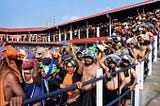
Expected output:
(66, 56)
(130, 40)
(10, 52)
(113, 58)
(127, 58)
(72, 61)
(39, 52)
(9, 55)
(48, 66)
(89, 53)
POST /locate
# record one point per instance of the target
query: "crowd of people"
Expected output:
(25, 75)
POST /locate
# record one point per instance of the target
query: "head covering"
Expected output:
(127, 58)
(23, 54)
(130, 40)
(113, 58)
(65, 43)
(39, 52)
(9, 53)
(48, 66)
(100, 46)
(30, 55)
(66, 56)
(89, 53)
(28, 64)
(72, 61)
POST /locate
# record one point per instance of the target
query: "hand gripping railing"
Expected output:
(38, 98)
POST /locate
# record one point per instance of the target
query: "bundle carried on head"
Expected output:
(9, 55)
(113, 58)
(48, 66)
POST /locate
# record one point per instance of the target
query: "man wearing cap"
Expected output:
(130, 78)
(30, 77)
(88, 71)
(111, 90)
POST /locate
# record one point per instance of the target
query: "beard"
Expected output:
(88, 63)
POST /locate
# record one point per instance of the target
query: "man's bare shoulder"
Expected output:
(10, 77)
(96, 66)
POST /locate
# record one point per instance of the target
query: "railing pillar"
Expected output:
(136, 95)
(140, 73)
(99, 88)
(87, 32)
(155, 49)
(59, 36)
(65, 36)
(79, 32)
(54, 38)
(150, 62)
(71, 35)
(98, 32)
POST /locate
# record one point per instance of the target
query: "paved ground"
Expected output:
(151, 92)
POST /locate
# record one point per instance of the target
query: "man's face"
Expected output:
(125, 63)
(27, 75)
(88, 61)
(112, 65)
(79, 56)
(141, 40)
(131, 45)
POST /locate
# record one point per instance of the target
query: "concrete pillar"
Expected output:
(150, 62)
(99, 88)
(70, 35)
(155, 48)
(79, 32)
(98, 32)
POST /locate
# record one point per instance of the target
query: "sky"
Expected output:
(42, 13)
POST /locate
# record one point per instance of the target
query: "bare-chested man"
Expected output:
(88, 70)
(130, 76)
(142, 50)
(111, 83)
(10, 78)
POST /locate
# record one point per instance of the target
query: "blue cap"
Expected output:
(65, 43)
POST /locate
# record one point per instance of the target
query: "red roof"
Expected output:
(23, 29)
